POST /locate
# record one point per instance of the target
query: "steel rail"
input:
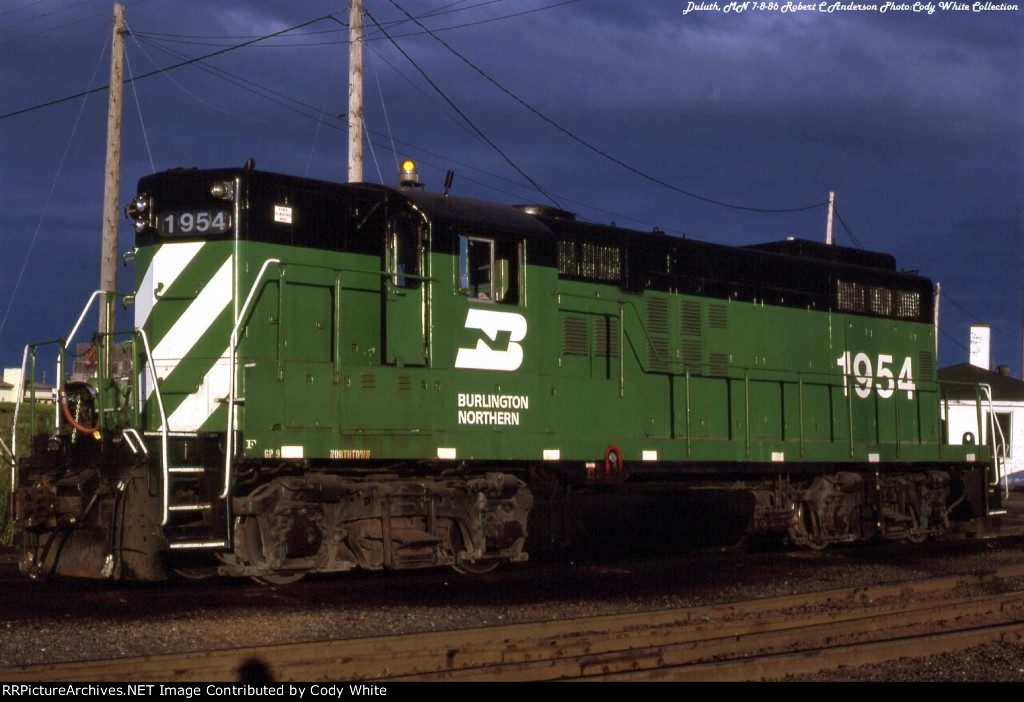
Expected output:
(795, 634)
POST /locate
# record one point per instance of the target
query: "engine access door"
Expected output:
(405, 292)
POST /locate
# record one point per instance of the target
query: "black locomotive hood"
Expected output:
(468, 212)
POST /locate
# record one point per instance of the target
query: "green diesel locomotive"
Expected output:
(322, 377)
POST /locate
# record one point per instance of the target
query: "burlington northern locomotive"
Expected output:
(322, 377)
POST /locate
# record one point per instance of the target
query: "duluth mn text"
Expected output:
(501, 410)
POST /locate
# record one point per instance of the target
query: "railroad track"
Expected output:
(755, 640)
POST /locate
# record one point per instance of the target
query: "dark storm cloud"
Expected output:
(913, 119)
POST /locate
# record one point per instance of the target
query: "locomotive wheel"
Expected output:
(278, 578)
(915, 536)
(457, 543)
(475, 568)
(815, 543)
(808, 530)
(199, 573)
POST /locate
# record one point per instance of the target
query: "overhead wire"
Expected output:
(427, 96)
(138, 107)
(312, 112)
(320, 118)
(223, 75)
(950, 337)
(43, 15)
(463, 115)
(488, 20)
(589, 146)
(165, 69)
(200, 40)
(65, 25)
(849, 231)
(19, 8)
(268, 94)
(49, 196)
(387, 124)
(471, 128)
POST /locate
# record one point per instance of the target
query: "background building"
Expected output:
(11, 383)
(1003, 402)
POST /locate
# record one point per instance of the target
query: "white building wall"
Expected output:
(963, 418)
(12, 376)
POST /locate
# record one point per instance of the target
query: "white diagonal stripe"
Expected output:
(167, 264)
(191, 414)
(193, 323)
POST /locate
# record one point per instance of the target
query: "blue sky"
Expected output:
(621, 112)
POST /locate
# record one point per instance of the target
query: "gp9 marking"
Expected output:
(859, 367)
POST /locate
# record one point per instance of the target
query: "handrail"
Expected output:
(9, 516)
(85, 311)
(20, 391)
(164, 430)
(944, 398)
(747, 374)
(232, 346)
(998, 445)
(825, 375)
(622, 305)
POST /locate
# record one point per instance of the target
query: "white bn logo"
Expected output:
(490, 322)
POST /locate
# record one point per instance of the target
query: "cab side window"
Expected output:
(489, 269)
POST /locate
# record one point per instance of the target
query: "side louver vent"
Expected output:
(718, 316)
(718, 364)
(574, 336)
(692, 353)
(689, 318)
(657, 315)
(926, 365)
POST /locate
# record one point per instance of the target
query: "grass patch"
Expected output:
(43, 425)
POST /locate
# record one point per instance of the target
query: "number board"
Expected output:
(193, 222)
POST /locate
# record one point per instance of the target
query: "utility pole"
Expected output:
(355, 91)
(112, 180)
(831, 211)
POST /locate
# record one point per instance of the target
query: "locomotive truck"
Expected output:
(322, 377)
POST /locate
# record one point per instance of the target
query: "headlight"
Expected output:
(223, 190)
(137, 208)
